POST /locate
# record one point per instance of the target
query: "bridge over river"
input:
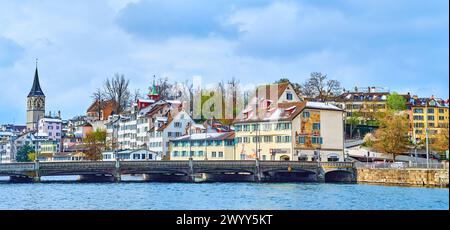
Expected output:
(184, 171)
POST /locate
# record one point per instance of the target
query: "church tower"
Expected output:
(35, 103)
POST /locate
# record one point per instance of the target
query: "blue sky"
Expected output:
(400, 44)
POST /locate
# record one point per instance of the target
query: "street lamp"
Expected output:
(426, 132)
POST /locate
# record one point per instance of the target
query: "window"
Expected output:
(278, 140)
(287, 139)
(264, 157)
(316, 140)
(184, 153)
(430, 110)
(267, 127)
(333, 158)
(418, 110)
(242, 156)
(268, 139)
(441, 110)
(221, 154)
(177, 124)
(417, 117)
(213, 154)
(200, 153)
(306, 114)
(431, 118)
(316, 126)
(301, 140)
(256, 139)
(175, 153)
(289, 96)
(441, 118)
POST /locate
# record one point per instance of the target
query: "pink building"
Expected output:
(51, 127)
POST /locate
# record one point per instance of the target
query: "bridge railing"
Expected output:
(337, 164)
(76, 165)
(154, 163)
(17, 167)
(225, 163)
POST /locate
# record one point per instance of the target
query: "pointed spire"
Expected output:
(36, 88)
(154, 95)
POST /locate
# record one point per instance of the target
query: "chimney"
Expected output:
(59, 114)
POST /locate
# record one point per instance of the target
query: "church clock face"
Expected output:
(39, 103)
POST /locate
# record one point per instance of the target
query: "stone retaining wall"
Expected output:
(408, 177)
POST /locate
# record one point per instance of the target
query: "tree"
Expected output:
(95, 143)
(392, 135)
(164, 88)
(441, 142)
(297, 86)
(319, 87)
(353, 121)
(22, 153)
(98, 96)
(396, 102)
(116, 89)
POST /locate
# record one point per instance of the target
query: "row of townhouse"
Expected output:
(367, 104)
(147, 126)
(275, 125)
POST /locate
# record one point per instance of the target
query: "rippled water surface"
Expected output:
(240, 196)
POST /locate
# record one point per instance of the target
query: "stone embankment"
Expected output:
(405, 177)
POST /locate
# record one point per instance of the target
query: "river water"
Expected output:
(228, 196)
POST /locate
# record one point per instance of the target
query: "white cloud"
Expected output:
(80, 43)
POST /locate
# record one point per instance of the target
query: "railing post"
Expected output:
(191, 170)
(37, 175)
(117, 176)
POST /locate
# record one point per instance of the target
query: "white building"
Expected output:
(166, 129)
(7, 148)
(130, 155)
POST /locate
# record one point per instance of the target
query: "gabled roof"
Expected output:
(36, 88)
(268, 89)
(94, 106)
(207, 136)
(286, 111)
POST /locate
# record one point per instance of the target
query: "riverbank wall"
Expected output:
(404, 177)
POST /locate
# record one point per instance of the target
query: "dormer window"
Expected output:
(289, 96)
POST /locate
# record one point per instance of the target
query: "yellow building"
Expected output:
(429, 112)
(279, 132)
(364, 103)
(203, 146)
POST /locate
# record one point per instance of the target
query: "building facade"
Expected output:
(166, 129)
(51, 128)
(431, 113)
(291, 131)
(203, 146)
